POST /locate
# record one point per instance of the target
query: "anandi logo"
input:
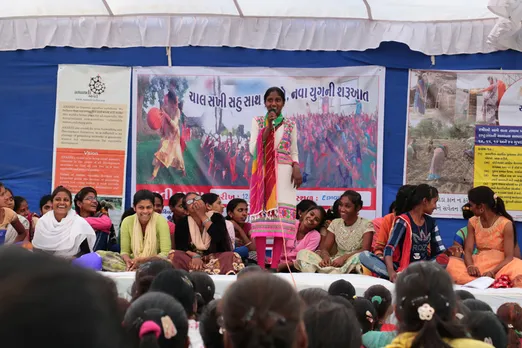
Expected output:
(96, 86)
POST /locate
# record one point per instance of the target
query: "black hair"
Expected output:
(464, 295)
(18, 200)
(80, 196)
(341, 300)
(175, 198)
(466, 211)
(61, 189)
(475, 305)
(366, 314)
(486, 326)
(73, 304)
(143, 195)
(331, 324)
(208, 326)
(157, 195)
(342, 288)
(249, 270)
(127, 213)
(354, 197)
(156, 307)
(44, 200)
(333, 212)
(313, 295)
(381, 299)
(427, 283)
(419, 194)
(231, 206)
(209, 198)
(484, 195)
(261, 310)
(279, 92)
(391, 209)
(145, 274)
(401, 199)
(303, 206)
(511, 316)
(462, 311)
(204, 287)
(176, 283)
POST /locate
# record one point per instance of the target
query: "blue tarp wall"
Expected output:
(28, 100)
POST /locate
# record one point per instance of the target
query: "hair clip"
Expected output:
(425, 312)
(459, 316)
(488, 340)
(221, 323)
(510, 326)
(377, 299)
(249, 315)
(169, 329)
(187, 280)
(369, 316)
(495, 197)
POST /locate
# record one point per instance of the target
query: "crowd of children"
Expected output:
(66, 305)
(200, 235)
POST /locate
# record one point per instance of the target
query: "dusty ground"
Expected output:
(457, 175)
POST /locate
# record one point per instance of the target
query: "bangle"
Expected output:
(470, 266)
(196, 256)
(206, 220)
(247, 244)
(294, 163)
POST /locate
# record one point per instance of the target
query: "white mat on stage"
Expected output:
(494, 297)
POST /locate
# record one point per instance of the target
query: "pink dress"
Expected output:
(310, 242)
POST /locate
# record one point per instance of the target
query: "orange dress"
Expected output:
(490, 245)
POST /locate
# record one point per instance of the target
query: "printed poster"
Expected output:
(192, 127)
(464, 131)
(91, 131)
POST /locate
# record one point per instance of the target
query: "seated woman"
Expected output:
(201, 241)
(351, 234)
(177, 208)
(384, 228)
(61, 231)
(144, 235)
(213, 204)
(12, 234)
(237, 214)
(9, 218)
(493, 232)
(158, 208)
(45, 205)
(86, 205)
(306, 238)
(414, 237)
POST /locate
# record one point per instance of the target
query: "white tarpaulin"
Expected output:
(432, 27)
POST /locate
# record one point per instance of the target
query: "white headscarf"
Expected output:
(65, 237)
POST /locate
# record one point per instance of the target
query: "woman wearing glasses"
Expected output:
(86, 205)
(201, 241)
(144, 235)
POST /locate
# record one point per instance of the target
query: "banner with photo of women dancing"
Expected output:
(191, 129)
(464, 130)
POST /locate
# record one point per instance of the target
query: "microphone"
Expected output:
(275, 112)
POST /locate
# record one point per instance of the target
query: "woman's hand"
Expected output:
(196, 264)
(325, 262)
(297, 178)
(455, 250)
(339, 262)
(490, 274)
(197, 208)
(473, 271)
(393, 276)
(128, 262)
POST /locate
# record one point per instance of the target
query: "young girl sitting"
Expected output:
(213, 203)
(415, 236)
(351, 234)
(237, 214)
(425, 308)
(307, 237)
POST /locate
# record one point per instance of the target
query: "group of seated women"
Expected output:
(198, 237)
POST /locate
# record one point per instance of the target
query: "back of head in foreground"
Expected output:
(157, 320)
(263, 311)
(426, 306)
(48, 302)
(332, 324)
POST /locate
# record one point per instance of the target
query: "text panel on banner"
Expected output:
(91, 132)
(192, 129)
(464, 131)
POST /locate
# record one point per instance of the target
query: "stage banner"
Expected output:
(192, 127)
(464, 130)
(91, 131)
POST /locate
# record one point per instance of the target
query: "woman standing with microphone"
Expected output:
(275, 177)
